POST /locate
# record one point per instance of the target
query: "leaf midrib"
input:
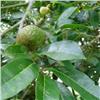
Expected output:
(17, 74)
(76, 83)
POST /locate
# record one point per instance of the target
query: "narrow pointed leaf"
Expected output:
(79, 81)
(46, 89)
(16, 76)
(75, 26)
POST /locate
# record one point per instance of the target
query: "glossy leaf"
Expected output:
(64, 18)
(16, 76)
(46, 89)
(64, 50)
(79, 81)
(82, 16)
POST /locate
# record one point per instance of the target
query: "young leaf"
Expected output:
(79, 81)
(16, 76)
(64, 50)
(46, 89)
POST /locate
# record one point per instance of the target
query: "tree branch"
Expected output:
(20, 22)
(25, 93)
(26, 13)
(9, 29)
(13, 6)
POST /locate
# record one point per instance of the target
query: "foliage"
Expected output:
(66, 66)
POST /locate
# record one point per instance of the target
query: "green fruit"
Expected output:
(32, 37)
(44, 10)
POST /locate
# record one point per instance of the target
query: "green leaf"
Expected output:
(75, 26)
(46, 89)
(98, 68)
(78, 81)
(64, 18)
(64, 50)
(64, 22)
(16, 51)
(65, 93)
(93, 60)
(94, 18)
(82, 16)
(16, 76)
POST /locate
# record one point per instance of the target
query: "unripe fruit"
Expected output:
(44, 10)
(31, 37)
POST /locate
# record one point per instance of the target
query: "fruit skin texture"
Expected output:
(44, 10)
(31, 37)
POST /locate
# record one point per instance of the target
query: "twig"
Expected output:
(26, 13)
(28, 89)
(13, 6)
(20, 22)
(9, 29)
